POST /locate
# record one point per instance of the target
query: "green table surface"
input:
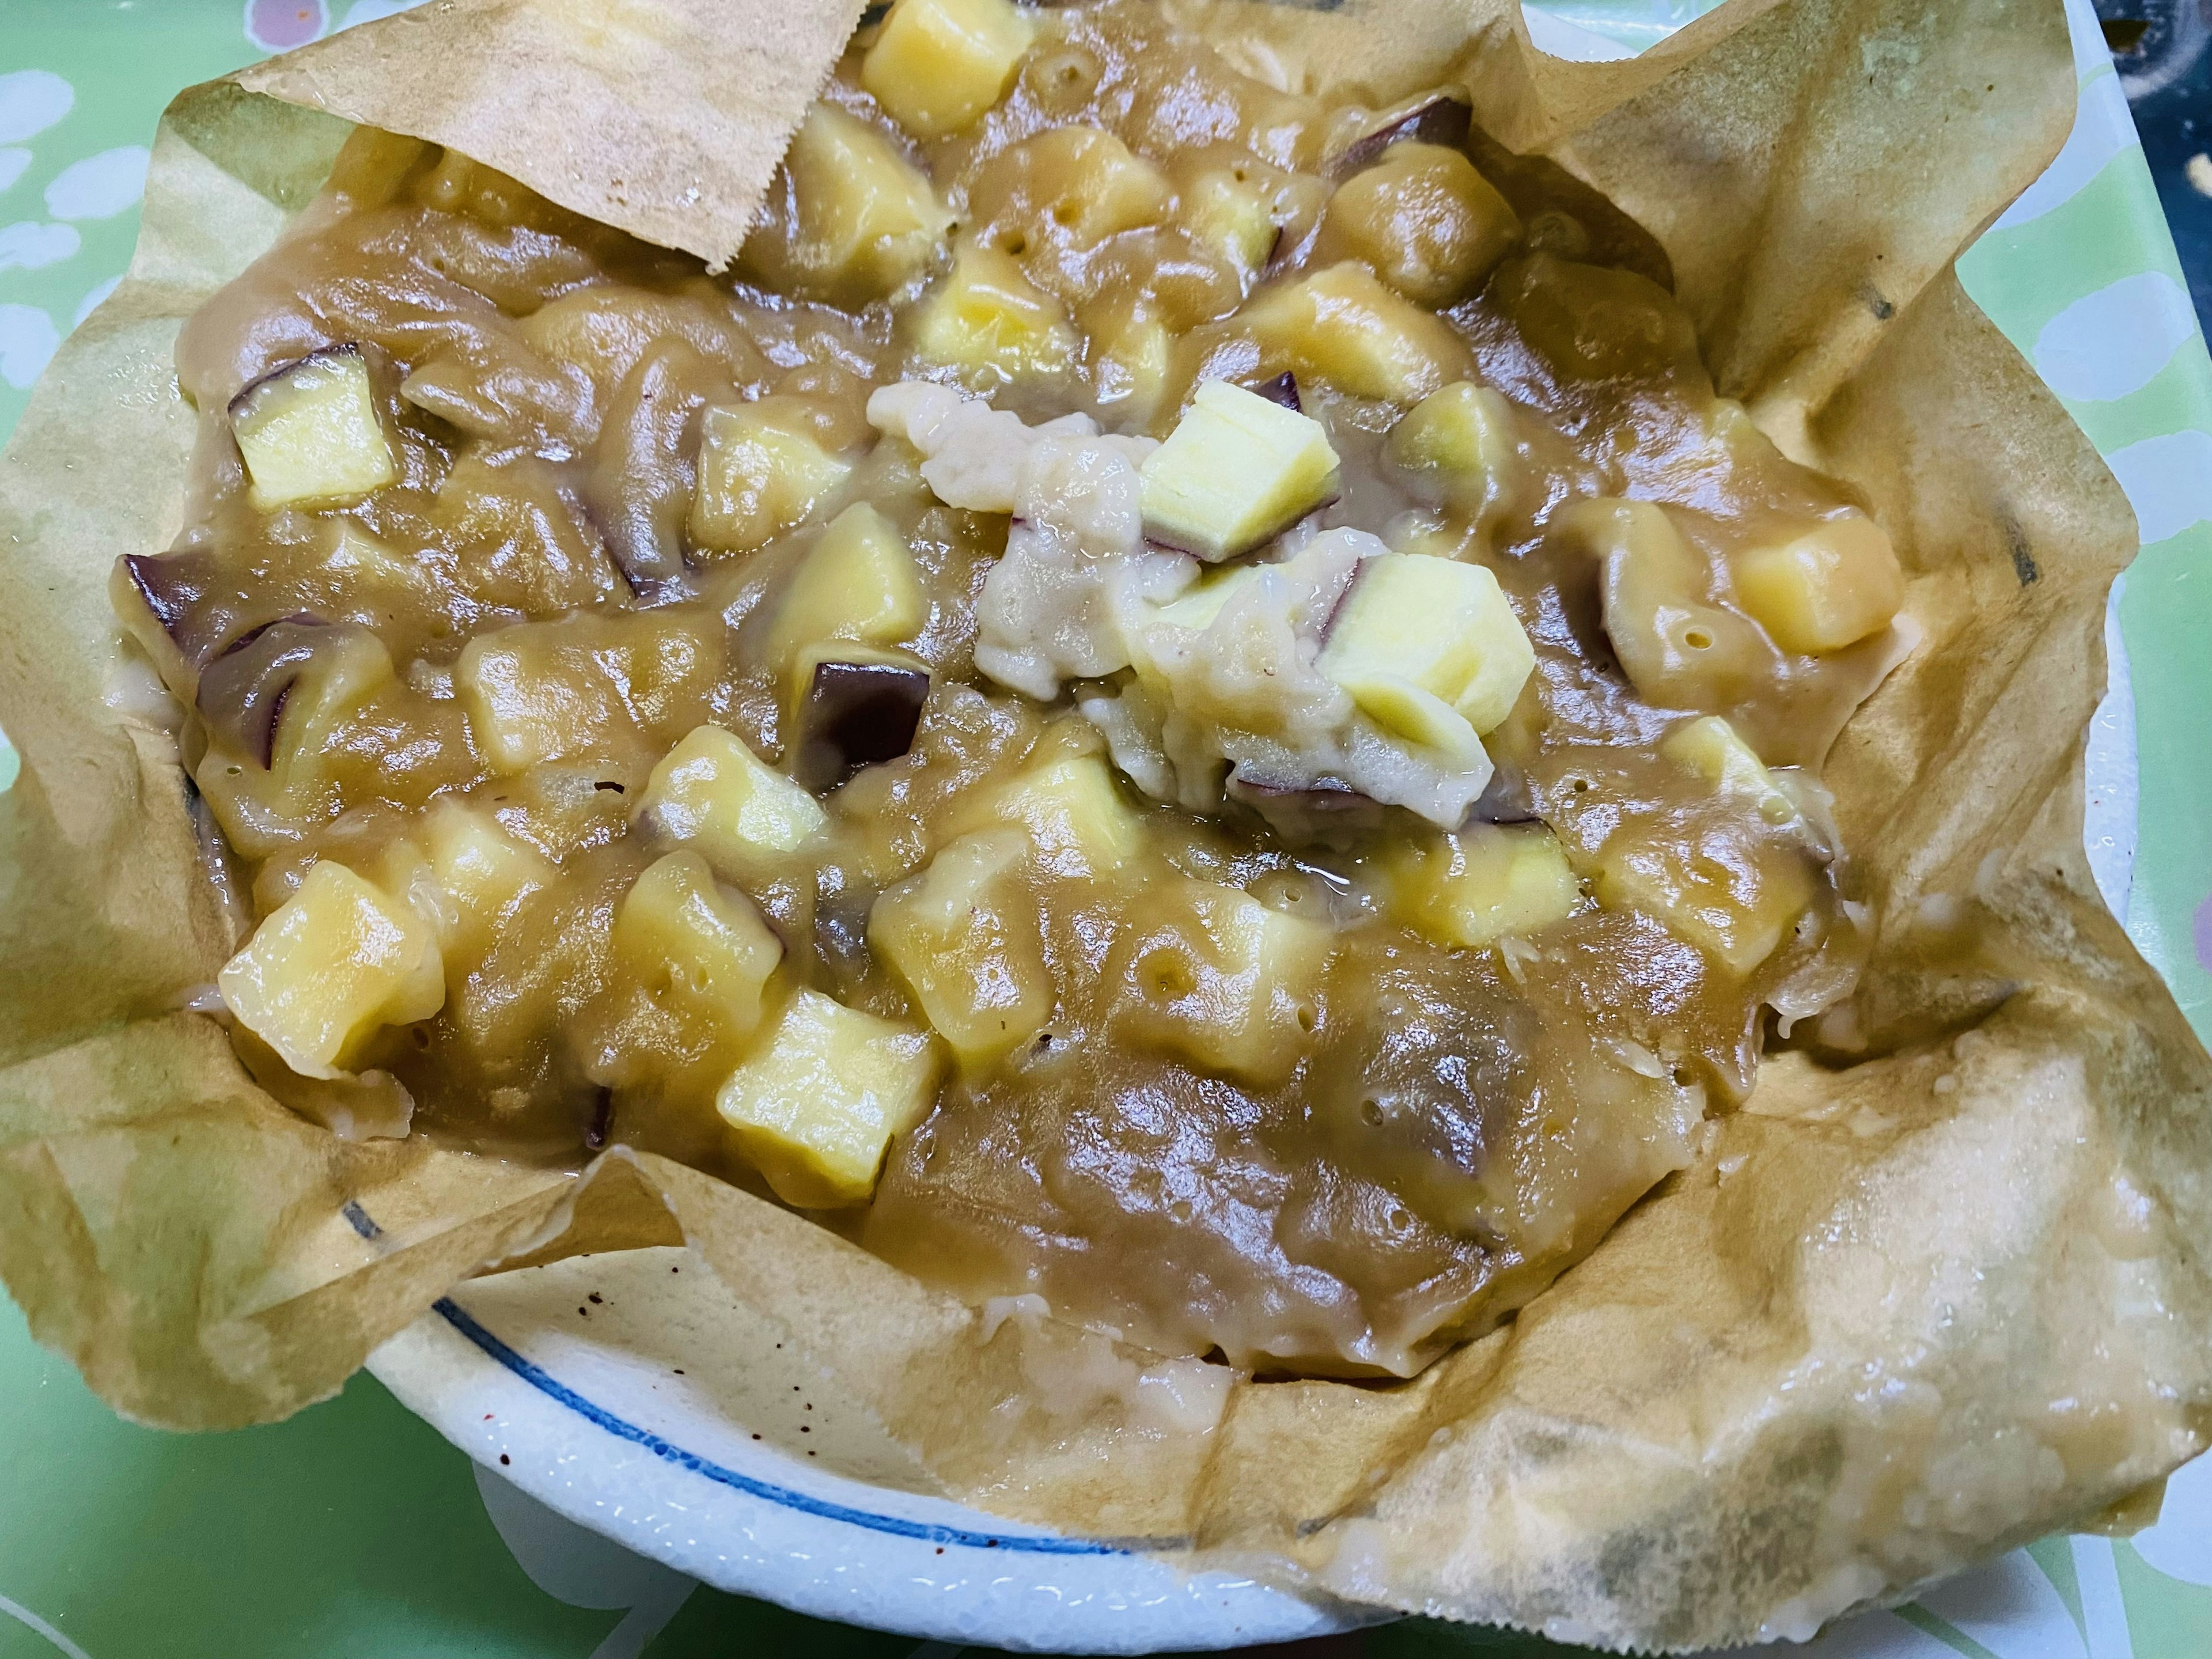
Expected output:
(353, 1529)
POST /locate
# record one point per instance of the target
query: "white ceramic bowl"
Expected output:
(570, 1381)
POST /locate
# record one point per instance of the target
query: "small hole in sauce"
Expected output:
(1698, 639)
(1370, 1112)
(1167, 975)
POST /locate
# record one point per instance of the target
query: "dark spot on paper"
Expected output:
(2023, 556)
(502, 1459)
(596, 1299)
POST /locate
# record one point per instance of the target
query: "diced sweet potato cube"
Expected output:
(1237, 470)
(1343, 327)
(760, 472)
(857, 582)
(712, 792)
(1474, 888)
(848, 219)
(1074, 814)
(1424, 220)
(989, 322)
(816, 1107)
(1730, 896)
(1712, 749)
(1826, 588)
(334, 962)
(310, 434)
(702, 952)
(938, 64)
(962, 936)
(585, 685)
(1435, 625)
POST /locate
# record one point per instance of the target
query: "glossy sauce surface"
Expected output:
(1338, 1157)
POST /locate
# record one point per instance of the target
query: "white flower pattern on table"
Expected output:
(31, 100)
(100, 186)
(28, 339)
(28, 244)
(2106, 349)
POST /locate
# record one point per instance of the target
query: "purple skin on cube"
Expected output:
(242, 405)
(857, 714)
(1322, 812)
(1283, 389)
(169, 586)
(1445, 121)
(243, 691)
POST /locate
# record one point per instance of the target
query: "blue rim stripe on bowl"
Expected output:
(928, 1532)
(554, 1389)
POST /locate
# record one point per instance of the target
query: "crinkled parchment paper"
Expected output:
(1915, 1304)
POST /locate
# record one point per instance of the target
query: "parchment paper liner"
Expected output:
(1901, 1314)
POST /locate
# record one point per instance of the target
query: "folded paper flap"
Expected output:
(662, 118)
(1990, 1209)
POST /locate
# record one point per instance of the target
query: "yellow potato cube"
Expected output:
(1237, 470)
(963, 938)
(760, 472)
(1070, 187)
(1437, 626)
(1712, 749)
(1823, 590)
(1343, 327)
(1075, 816)
(1461, 441)
(1130, 366)
(1680, 650)
(1209, 973)
(938, 64)
(712, 792)
(1478, 886)
(989, 322)
(358, 557)
(545, 691)
(330, 965)
(465, 874)
(1731, 898)
(858, 582)
(849, 220)
(310, 434)
(1428, 223)
(1237, 217)
(520, 545)
(816, 1107)
(696, 948)
(1419, 717)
